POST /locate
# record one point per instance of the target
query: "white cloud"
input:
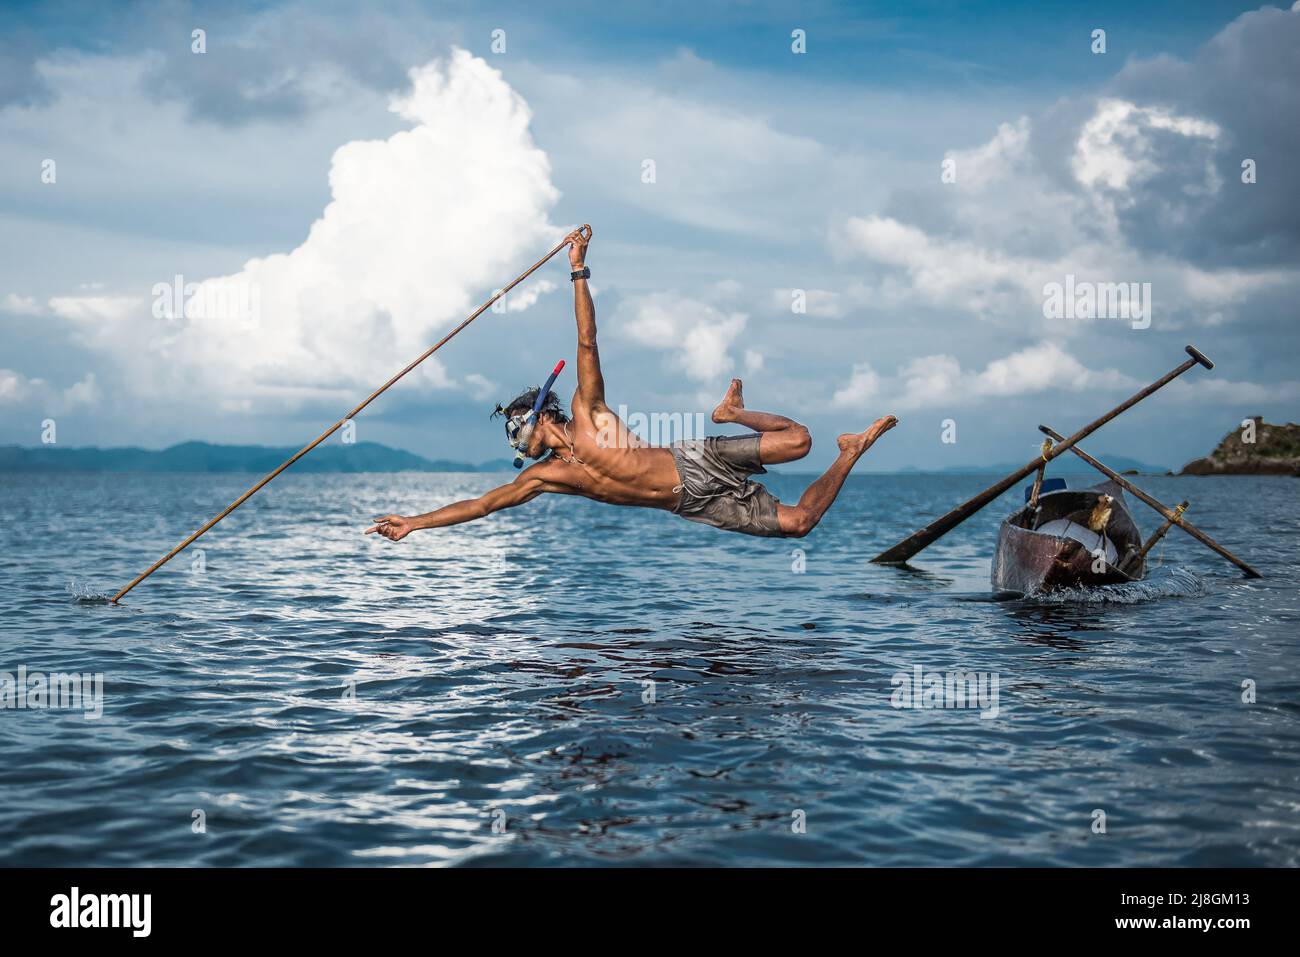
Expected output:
(983, 281)
(418, 229)
(1228, 390)
(519, 299)
(863, 386)
(95, 308)
(86, 392)
(697, 335)
(480, 386)
(1009, 226)
(16, 388)
(1114, 148)
(1040, 367)
(21, 305)
(939, 380)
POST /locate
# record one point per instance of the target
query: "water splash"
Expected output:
(83, 594)
(1167, 582)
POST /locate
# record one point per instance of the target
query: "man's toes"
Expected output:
(882, 425)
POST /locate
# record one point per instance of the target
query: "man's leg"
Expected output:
(798, 520)
(783, 440)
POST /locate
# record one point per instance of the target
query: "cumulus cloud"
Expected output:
(1139, 183)
(1115, 148)
(95, 308)
(1011, 225)
(521, 298)
(20, 305)
(14, 386)
(1244, 81)
(18, 389)
(480, 386)
(417, 229)
(862, 387)
(696, 335)
(939, 380)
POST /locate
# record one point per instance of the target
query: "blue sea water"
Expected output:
(571, 683)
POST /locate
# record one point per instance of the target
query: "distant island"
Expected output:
(1120, 463)
(1274, 451)
(205, 457)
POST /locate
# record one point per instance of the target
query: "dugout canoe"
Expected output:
(1051, 547)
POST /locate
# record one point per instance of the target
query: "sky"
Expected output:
(859, 209)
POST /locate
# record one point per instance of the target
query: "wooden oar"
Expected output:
(337, 425)
(1159, 533)
(1038, 477)
(1171, 515)
(941, 526)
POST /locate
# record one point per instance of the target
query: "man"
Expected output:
(593, 454)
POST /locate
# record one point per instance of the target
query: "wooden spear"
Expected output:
(337, 425)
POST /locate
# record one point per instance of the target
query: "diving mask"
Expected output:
(519, 428)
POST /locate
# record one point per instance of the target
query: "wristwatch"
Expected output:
(583, 273)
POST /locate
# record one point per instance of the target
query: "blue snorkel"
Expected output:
(526, 431)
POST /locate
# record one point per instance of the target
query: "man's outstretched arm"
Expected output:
(591, 384)
(523, 489)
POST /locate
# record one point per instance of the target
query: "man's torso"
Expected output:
(610, 464)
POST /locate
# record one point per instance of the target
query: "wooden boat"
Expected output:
(1051, 546)
(1044, 545)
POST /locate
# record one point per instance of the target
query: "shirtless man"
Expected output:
(593, 454)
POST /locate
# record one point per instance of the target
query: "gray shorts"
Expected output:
(713, 476)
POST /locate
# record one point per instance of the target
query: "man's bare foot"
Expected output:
(731, 403)
(856, 443)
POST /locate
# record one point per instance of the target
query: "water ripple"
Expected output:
(569, 684)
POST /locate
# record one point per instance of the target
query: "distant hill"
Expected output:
(1065, 462)
(204, 457)
(360, 457)
(1275, 451)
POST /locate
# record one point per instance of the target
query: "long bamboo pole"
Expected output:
(339, 424)
(1171, 515)
(941, 526)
